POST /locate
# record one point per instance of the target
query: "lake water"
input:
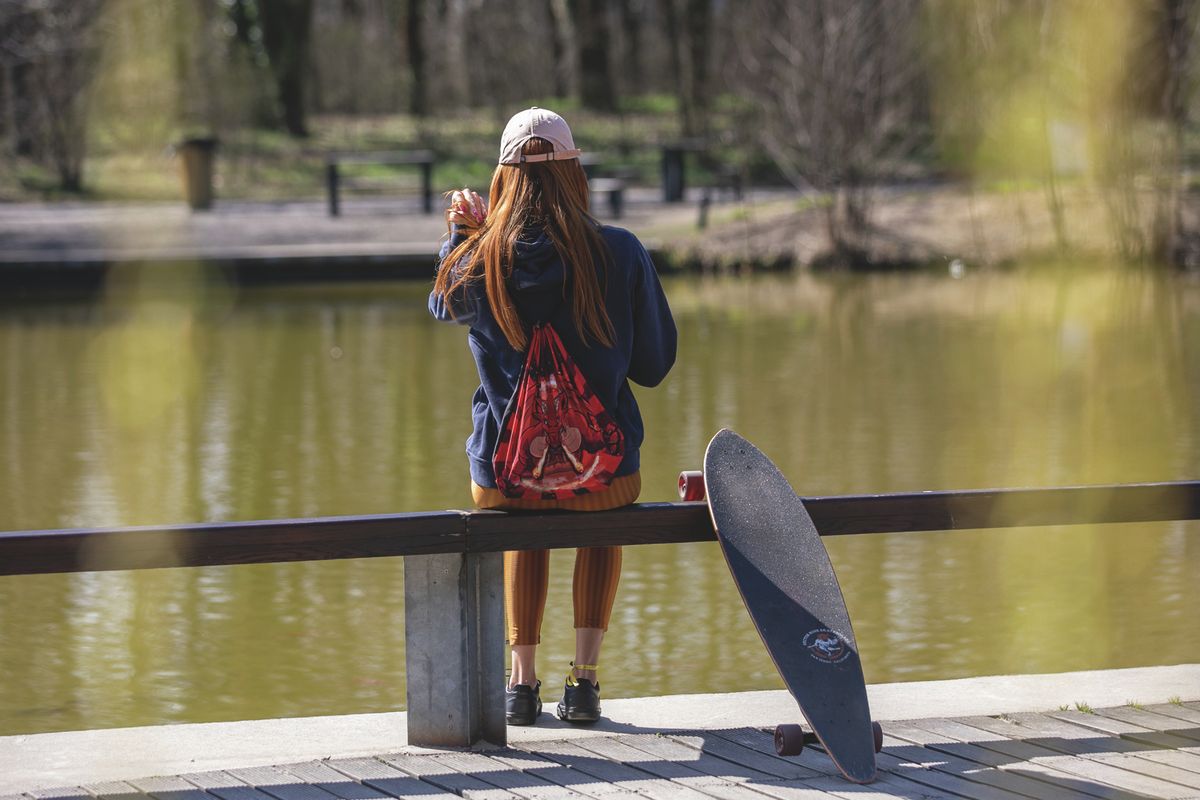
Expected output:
(220, 404)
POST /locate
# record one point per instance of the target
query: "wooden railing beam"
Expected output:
(425, 533)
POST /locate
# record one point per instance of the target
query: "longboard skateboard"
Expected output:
(787, 582)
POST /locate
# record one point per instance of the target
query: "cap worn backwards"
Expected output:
(538, 123)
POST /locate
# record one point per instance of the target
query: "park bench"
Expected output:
(611, 187)
(422, 159)
(453, 582)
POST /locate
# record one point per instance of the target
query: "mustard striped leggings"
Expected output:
(527, 572)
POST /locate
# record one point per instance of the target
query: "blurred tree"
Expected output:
(996, 71)
(675, 48)
(699, 14)
(286, 34)
(1180, 22)
(689, 28)
(414, 37)
(49, 49)
(634, 74)
(359, 61)
(14, 98)
(558, 21)
(837, 83)
(1136, 68)
(197, 63)
(591, 24)
(451, 55)
(1160, 87)
(1033, 90)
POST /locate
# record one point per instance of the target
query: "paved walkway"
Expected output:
(720, 748)
(1122, 752)
(83, 247)
(78, 231)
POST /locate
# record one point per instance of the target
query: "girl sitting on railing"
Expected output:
(563, 312)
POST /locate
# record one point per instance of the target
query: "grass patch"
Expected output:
(1084, 708)
(1175, 701)
(1134, 704)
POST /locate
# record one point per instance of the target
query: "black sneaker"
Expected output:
(581, 701)
(522, 704)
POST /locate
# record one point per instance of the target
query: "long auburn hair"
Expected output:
(553, 194)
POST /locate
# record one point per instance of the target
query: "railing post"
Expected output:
(454, 640)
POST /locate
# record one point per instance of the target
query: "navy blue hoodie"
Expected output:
(643, 351)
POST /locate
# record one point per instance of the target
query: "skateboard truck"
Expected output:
(790, 739)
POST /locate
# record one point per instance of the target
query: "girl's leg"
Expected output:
(524, 667)
(587, 651)
(526, 576)
(594, 589)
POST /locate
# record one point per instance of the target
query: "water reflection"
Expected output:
(347, 399)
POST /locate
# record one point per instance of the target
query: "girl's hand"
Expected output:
(467, 209)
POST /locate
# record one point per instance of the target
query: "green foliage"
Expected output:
(650, 104)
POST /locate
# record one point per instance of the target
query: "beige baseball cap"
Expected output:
(542, 124)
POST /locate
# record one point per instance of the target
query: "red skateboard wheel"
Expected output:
(877, 732)
(789, 740)
(691, 485)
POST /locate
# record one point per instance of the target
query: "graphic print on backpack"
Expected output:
(557, 439)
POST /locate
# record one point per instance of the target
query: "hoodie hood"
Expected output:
(536, 263)
(538, 277)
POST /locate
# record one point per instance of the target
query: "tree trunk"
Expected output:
(1054, 200)
(596, 89)
(414, 36)
(454, 81)
(559, 22)
(20, 140)
(675, 37)
(1179, 20)
(286, 31)
(631, 46)
(689, 32)
(699, 38)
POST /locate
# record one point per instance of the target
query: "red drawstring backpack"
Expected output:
(558, 440)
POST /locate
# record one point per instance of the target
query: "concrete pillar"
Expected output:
(454, 638)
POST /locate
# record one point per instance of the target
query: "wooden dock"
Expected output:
(1125, 752)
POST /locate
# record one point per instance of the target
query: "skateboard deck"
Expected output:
(787, 582)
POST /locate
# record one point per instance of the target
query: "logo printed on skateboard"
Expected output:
(826, 645)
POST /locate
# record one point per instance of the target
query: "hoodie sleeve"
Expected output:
(654, 336)
(462, 307)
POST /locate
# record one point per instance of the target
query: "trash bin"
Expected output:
(196, 160)
(672, 173)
